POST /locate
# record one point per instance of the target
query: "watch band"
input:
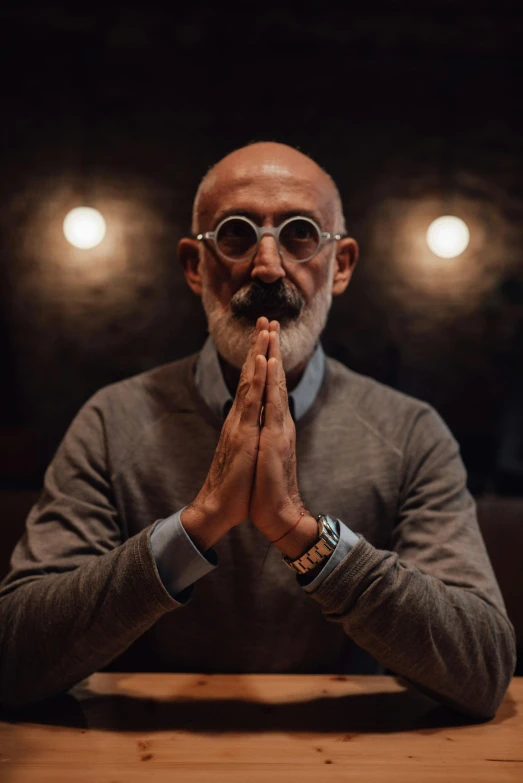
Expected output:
(325, 546)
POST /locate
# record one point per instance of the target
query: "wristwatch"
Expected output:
(325, 546)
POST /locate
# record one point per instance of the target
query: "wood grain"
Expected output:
(113, 728)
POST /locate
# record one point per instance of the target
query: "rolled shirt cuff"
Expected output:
(179, 562)
(346, 541)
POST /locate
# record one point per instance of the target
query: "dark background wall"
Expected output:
(414, 108)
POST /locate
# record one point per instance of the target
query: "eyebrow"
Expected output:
(257, 217)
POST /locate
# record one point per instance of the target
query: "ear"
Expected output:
(189, 258)
(347, 253)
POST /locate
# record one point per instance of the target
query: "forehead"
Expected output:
(268, 190)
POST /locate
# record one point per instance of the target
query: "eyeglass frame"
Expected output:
(274, 231)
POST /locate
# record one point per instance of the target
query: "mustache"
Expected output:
(260, 296)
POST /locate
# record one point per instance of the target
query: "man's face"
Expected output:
(235, 294)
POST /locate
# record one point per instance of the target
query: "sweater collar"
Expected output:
(212, 387)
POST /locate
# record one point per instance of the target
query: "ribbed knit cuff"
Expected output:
(343, 585)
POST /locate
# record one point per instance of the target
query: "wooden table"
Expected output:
(121, 728)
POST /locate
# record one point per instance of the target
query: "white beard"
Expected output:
(298, 337)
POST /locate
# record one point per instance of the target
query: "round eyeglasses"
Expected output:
(236, 238)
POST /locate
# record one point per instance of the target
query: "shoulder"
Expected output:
(148, 395)
(392, 416)
(120, 417)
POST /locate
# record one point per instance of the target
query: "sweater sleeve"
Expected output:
(430, 610)
(76, 595)
(311, 580)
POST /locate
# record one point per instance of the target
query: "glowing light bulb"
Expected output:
(84, 227)
(448, 236)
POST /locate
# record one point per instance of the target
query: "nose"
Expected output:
(267, 261)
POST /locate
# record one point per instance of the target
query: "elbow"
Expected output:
(488, 688)
(478, 692)
(499, 672)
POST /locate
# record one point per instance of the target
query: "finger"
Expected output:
(252, 405)
(275, 352)
(259, 346)
(273, 403)
(274, 346)
(261, 324)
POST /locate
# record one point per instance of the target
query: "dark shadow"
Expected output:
(360, 713)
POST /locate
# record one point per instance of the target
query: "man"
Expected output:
(159, 506)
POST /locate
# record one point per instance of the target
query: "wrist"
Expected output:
(203, 526)
(300, 539)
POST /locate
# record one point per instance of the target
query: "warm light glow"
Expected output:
(448, 236)
(84, 227)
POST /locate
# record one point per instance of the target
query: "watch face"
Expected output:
(329, 529)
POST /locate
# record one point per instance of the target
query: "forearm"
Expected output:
(445, 639)
(59, 628)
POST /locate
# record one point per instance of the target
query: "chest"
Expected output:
(343, 470)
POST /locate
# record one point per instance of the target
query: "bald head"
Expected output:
(276, 171)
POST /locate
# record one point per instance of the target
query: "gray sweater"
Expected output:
(179, 562)
(416, 594)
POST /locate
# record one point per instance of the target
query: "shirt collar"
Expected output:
(212, 387)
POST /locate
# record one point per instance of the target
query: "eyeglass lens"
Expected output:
(237, 239)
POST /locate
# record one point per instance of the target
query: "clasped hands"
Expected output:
(253, 472)
(275, 502)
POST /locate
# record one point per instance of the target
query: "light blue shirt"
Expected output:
(180, 563)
